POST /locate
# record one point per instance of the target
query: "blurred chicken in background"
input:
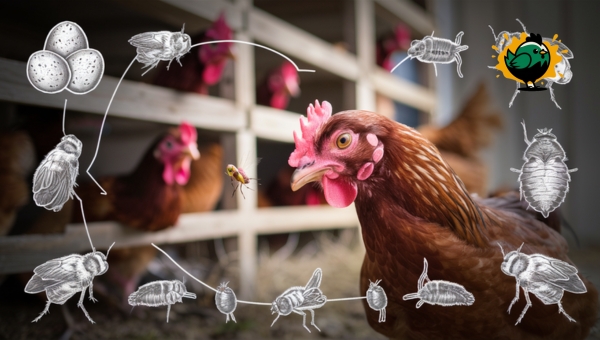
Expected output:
(17, 161)
(203, 190)
(205, 66)
(460, 141)
(277, 87)
(149, 199)
(388, 44)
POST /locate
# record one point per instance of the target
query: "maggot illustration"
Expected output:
(226, 301)
(435, 50)
(160, 293)
(64, 277)
(546, 277)
(298, 299)
(439, 292)
(544, 177)
(377, 299)
(153, 47)
(559, 55)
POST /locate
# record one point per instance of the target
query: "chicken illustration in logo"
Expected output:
(530, 61)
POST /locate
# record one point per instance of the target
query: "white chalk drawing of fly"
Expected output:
(377, 299)
(544, 176)
(434, 50)
(298, 299)
(160, 293)
(562, 69)
(439, 292)
(152, 47)
(546, 277)
(64, 277)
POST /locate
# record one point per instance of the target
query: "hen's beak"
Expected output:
(304, 175)
(292, 88)
(192, 151)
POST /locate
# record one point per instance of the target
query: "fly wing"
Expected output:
(37, 285)
(557, 273)
(53, 181)
(315, 280)
(313, 298)
(64, 269)
(60, 293)
(150, 40)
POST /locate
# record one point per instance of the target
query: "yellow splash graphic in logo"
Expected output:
(555, 56)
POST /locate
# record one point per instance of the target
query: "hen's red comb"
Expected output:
(317, 116)
(188, 133)
(220, 29)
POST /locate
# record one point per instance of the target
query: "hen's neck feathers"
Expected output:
(413, 179)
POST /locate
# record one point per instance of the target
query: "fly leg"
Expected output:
(514, 95)
(435, 69)
(91, 289)
(312, 312)
(561, 310)
(382, 315)
(516, 297)
(549, 87)
(168, 311)
(303, 319)
(46, 310)
(151, 66)
(80, 305)
(526, 306)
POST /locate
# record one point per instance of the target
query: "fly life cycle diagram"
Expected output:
(67, 62)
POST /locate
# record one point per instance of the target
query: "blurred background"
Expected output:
(245, 109)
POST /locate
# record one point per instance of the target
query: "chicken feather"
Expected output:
(412, 206)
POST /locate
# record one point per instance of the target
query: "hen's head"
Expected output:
(214, 56)
(338, 151)
(176, 150)
(283, 82)
(360, 153)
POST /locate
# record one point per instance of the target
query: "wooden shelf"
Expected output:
(25, 252)
(133, 100)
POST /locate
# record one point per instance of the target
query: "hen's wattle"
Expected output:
(411, 206)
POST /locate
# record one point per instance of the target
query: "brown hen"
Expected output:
(460, 141)
(412, 206)
(149, 199)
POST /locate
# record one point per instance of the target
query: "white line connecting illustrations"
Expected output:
(294, 300)
(546, 277)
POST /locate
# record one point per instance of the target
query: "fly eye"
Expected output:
(535, 51)
(344, 140)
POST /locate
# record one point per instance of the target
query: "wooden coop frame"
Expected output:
(241, 118)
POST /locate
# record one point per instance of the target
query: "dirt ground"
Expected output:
(339, 255)
(340, 258)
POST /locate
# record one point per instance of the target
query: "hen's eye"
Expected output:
(344, 140)
(535, 51)
(168, 145)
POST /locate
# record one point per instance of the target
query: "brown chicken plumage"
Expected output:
(203, 190)
(149, 199)
(460, 141)
(17, 157)
(412, 206)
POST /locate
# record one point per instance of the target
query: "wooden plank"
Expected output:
(296, 43)
(211, 10)
(133, 100)
(273, 124)
(25, 252)
(402, 90)
(411, 14)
